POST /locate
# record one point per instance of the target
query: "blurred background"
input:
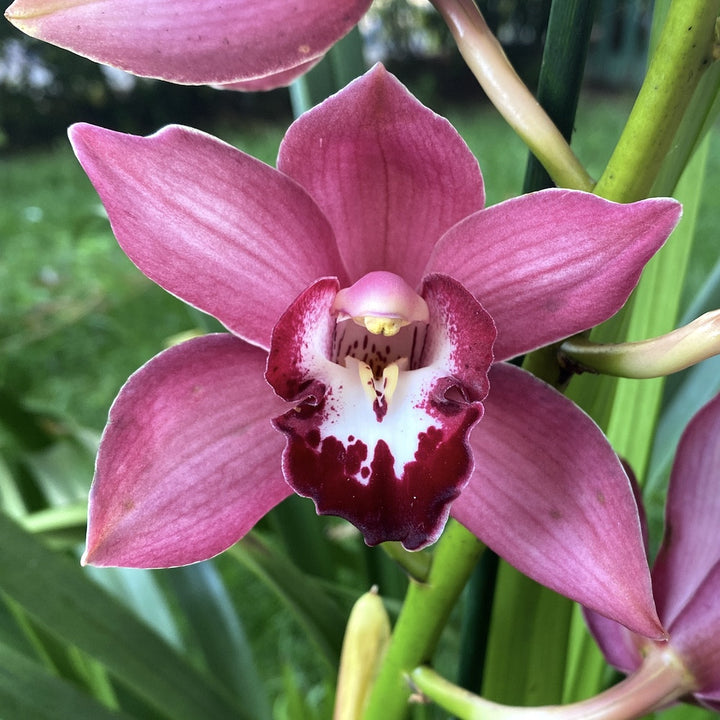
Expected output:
(44, 89)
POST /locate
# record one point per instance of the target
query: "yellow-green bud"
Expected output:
(366, 637)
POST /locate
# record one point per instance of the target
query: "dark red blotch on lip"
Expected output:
(411, 509)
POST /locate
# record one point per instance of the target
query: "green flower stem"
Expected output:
(421, 620)
(485, 57)
(683, 53)
(415, 564)
(660, 680)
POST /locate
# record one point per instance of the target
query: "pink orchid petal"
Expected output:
(221, 230)
(709, 701)
(390, 175)
(620, 647)
(550, 264)
(191, 41)
(550, 496)
(695, 633)
(189, 460)
(272, 81)
(691, 545)
(392, 460)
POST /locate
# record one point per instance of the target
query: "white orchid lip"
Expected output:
(379, 429)
(382, 303)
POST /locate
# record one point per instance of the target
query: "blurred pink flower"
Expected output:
(248, 44)
(351, 280)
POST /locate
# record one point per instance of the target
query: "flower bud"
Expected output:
(366, 636)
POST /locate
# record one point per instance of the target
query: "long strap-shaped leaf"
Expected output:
(28, 690)
(53, 590)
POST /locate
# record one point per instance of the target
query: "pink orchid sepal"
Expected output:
(686, 581)
(370, 181)
(240, 44)
(686, 573)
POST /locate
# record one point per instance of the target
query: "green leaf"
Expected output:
(299, 703)
(587, 670)
(64, 469)
(30, 430)
(62, 527)
(526, 654)
(295, 517)
(217, 629)
(27, 690)
(139, 591)
(686, 712)
(477, 614)
(11, 499)
(320, 616)
(54, 591)
(61, 659)
(561, 73)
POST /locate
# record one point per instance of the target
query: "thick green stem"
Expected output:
(684, 52)
(421, 620)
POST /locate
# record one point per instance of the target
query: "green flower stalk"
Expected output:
(422, 618)
(686, 49)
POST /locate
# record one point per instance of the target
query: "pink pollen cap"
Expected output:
(381, 294)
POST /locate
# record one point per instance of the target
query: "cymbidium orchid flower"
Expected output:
(245, 44)
(371, 303)
(686, 583)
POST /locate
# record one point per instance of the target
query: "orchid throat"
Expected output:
(380, 332)
(386, 385)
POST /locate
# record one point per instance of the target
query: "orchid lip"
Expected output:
(378, 431)
(386, 336)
